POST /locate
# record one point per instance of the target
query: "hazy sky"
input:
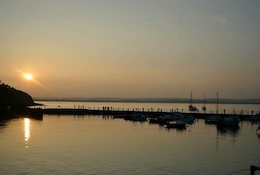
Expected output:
(131, 48)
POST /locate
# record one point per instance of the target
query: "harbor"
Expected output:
(69, 111)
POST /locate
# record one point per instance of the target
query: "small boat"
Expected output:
(254, 118)
(231, 120)
(187, 119)
(213, 119)
(191, 107)
(174, 116)
(154, 120)
(119, 116)
(132, 116)
(138, 117)
(176, 124)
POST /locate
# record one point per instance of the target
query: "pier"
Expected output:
(72, 111)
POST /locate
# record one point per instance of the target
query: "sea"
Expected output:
(101, 145)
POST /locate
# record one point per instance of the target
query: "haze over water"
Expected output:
(122, 48)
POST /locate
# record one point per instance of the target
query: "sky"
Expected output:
(131, 48)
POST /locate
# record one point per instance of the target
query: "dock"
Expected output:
(67, 111)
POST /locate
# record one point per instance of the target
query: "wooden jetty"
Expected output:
(67, 111)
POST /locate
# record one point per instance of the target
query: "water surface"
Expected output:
(103, 145)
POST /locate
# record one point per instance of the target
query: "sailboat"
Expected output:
(191, 107)
(213, 119)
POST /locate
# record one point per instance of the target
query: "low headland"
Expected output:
(15, 103)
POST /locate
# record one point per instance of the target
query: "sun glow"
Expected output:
(28, 76)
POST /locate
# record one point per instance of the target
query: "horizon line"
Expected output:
(151, 100)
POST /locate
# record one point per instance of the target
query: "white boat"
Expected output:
(176, 124)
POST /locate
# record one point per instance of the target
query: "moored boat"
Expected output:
(119, 116)
(140, 118)
(187, 119)
(213, 119)
(231, 120)
(176, 124)
(254, 118)
(191, 107)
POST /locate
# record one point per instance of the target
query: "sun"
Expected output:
(28, 76)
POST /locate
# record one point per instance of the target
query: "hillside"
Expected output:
(10, 97)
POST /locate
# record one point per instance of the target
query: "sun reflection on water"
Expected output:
(26, 131)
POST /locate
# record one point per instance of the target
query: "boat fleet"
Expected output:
(182, 120)
(171, 120)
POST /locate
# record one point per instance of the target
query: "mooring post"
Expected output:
(253, 169)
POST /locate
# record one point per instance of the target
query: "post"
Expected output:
(253, 169)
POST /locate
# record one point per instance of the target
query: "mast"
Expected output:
(191, 98)
(204, 107)
(217, 103)
(204, 99)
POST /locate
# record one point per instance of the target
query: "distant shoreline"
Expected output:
(154, 100)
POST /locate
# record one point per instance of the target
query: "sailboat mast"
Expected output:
(191, 98)
(217, 102)
(204, 107)
(204, 99)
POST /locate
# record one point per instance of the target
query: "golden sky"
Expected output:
(131, 48)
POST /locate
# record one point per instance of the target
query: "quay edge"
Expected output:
(65, 111)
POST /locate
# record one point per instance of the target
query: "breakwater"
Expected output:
(67, 111)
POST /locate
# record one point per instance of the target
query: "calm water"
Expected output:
(102, 145)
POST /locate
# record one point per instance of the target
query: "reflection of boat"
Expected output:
(230, 130)
(258, 131)
(176, 124)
